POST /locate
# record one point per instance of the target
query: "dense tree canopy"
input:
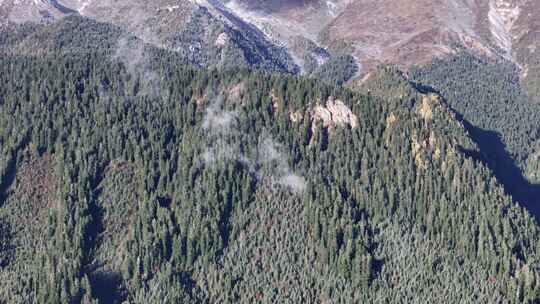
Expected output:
(149, 181)
(504, 121)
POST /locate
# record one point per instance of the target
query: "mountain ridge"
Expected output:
(373, 32)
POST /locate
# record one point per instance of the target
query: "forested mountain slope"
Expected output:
(160, 183)
(204, 37)
(506, 122)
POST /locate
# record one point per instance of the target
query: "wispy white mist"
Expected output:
(132, 54)
(281, 173)
(218, 125)
(268, 164)
(217, 119)
(294, 182)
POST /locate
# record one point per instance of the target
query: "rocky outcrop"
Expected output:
(222, 40)
(334, 114)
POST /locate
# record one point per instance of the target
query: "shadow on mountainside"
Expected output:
(494, 154)
(7, 180)
(63, 9)
(8, 177)
(107, 286)
(497, 158)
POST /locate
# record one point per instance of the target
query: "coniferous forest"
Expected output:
(131, 177)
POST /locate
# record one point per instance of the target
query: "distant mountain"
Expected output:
(308, 33)
(203, 37)
(405, 32)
